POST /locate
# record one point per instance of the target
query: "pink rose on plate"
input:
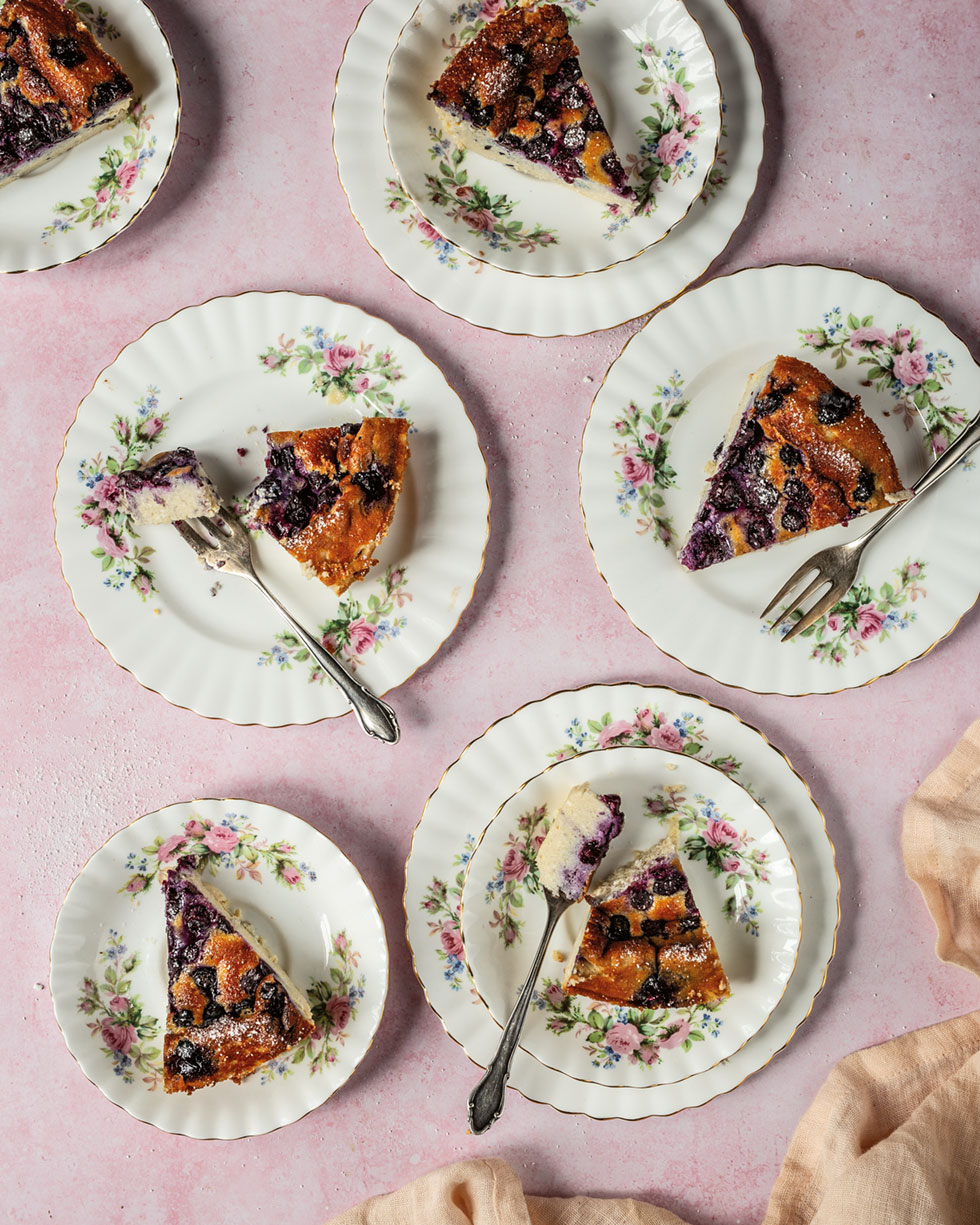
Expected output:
(666, 736)
(835, 623)
(910, 367)
(142, 584)
(613, 732)
(117, 1038)
(451, 942)
(623, 1038)
(869, 621)
(166, 850)
(339, 1011)
(480, 219)
(514, 865)
(105, 493)
(429, 231)
(362, 383)
(111, 545)
(151, 427)
(671, 147)
(730, 864)
(674, 89)
(637, 470)
(719, 832)
(127, 174)
(136, 884)
(221, 838)
(865, 338)
(291, 875)
(361, 635)
(102, 195)
(119, 1003)
(677, 1037)
(555, 996)
(339, 358)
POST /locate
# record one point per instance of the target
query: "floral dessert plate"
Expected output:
(654, 80)
(78, 202)
(743, 881)
(666, 403)
(301, 895)
(214, 378)
(520, 746)
(472, 289)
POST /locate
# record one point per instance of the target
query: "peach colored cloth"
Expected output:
(891, 1138)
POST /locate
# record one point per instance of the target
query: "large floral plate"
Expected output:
(743, 881)
(666, 403)
(215, 377)
(300, 893)
(654, 81)
(80, 201)
(564, 725)
(540, 306)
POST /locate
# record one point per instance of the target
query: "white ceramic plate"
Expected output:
(742, 879)
(81, 201)
(653, 78)
(540, 306)
(666, 403)
(303, 897)
(214, 377)
(565, 725)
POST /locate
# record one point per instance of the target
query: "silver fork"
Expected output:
(222, 543)
(838, 565)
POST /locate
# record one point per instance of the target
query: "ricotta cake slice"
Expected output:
(577, 840)
(57, 85)
(329, 495)
(516, 94)
(166, 487)
(645, 943)
(230, 1006)
(800, 454)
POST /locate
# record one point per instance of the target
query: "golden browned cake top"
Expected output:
(330, 494)
(514, 52)
(829, 426)
(59, 60)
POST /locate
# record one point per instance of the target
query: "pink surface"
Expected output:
(870, 164)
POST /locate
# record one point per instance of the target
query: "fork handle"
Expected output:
(966, 441)
(375, 717)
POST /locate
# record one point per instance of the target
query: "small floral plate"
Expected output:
(490, 297)
(302, 896)
(743, 881)
(80, 201)
(215, 378)
(666, 403)
(565, 725)
(654, 80)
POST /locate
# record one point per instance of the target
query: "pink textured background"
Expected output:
(871, 163)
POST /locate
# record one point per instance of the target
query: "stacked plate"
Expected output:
(680, 95)
(752, 841)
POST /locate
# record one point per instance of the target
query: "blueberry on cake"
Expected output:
(169, 486)
(330, 494)
(801, 454)
(577, 840)
(230, 1008)
(645, 943)
(516, 94)
(57, 85)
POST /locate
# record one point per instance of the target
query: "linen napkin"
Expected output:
(890, 1139)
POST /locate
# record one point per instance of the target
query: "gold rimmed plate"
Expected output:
(82, 200)
(742, 879)
(565, 725)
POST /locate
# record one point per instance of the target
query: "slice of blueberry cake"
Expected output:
(645, 943)
(230, 1007)
(577, 840)
(516, 93)
(169, 486)
(57, 85)
(801, 454)
(330, 494)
